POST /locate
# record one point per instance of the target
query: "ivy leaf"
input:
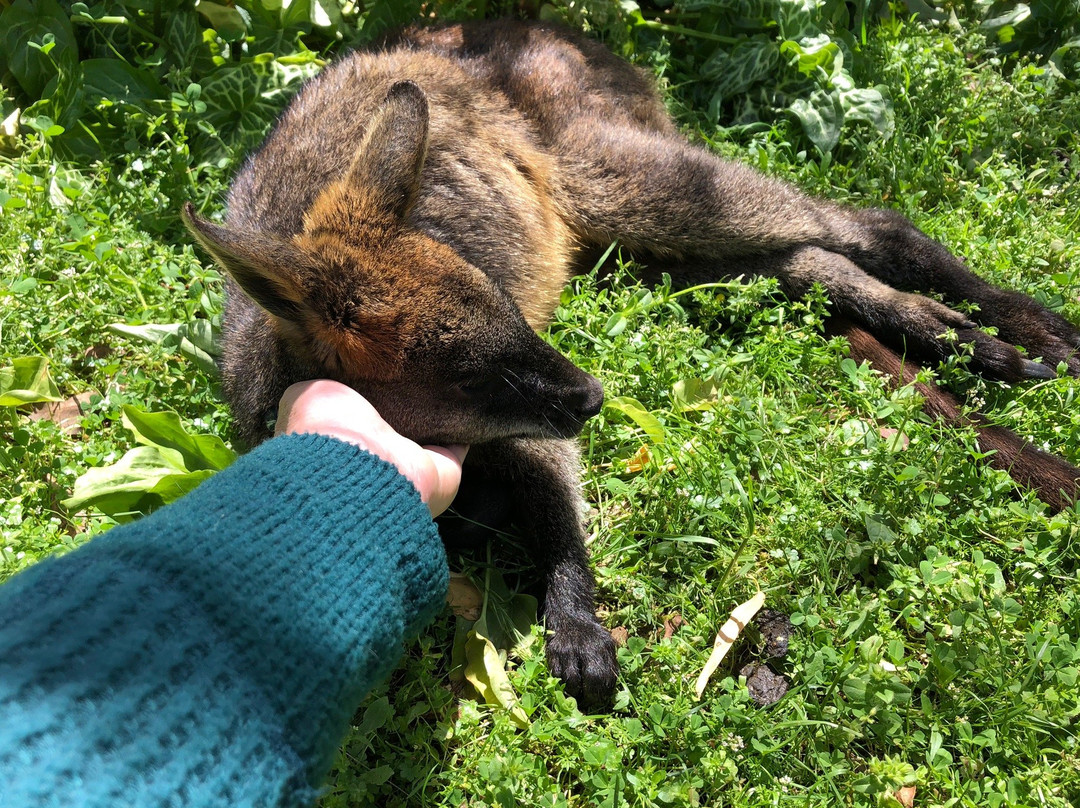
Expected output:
(821, 117)
(243, 100)
(735, 70)
(869, 105)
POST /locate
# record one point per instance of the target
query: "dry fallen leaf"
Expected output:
(639, 461)
(729, 632)
(66, 414)
(673, 624)
(894, 438)
(464, 598)
(9, 132)
(906, 796)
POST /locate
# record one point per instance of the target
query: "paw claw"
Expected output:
(1034, 370)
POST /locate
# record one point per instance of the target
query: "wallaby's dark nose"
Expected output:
(587, 399)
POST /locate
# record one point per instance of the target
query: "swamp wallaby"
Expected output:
(413, 217)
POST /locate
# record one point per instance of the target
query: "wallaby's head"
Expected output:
(440, 350)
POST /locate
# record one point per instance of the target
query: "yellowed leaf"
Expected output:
(729, 632)
(639, 461)
(486, 671)
(464, 598)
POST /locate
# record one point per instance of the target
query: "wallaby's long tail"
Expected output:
(1056, 482)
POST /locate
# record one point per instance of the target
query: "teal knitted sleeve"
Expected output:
(212, 654)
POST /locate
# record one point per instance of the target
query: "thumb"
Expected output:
(446, 462)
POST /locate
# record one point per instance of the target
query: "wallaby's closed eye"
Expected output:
(409, 225)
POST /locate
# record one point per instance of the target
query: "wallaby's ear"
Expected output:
(270, 270)
(391, 155)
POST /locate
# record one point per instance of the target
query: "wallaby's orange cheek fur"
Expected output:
(411, 220)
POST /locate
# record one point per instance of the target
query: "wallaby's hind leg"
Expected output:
(659, 195)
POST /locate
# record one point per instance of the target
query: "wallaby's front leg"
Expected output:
(892, 249)
(542, 479)
(907, 322)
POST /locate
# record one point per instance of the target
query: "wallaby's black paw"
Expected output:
(1022, 321)
(926, 328)
(581, 653)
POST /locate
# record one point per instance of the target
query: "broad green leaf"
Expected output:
(119, 82)
(143, 479)
(295, 12)
(27, 381)
(636, 412)
(26, 21)
(1057, 58)
(163, 430)
(169, 464)
(231, 23)
(1012, 17)
(877, 531)
(486, 671)
(197, 340)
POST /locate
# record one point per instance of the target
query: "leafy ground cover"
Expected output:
(937, 607)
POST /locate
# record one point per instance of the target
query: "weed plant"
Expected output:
(936, 605)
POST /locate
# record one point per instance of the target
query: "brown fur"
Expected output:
(415, 214)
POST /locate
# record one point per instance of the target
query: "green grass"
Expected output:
(920, 558)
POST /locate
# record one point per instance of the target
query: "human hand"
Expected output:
(329, 408)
